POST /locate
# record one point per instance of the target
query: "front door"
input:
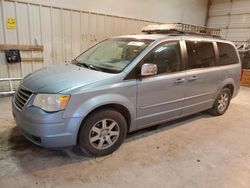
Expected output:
(160, 97)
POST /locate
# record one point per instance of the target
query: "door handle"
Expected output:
(180, 80)
(193, 78)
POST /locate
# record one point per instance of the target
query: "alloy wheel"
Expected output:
(104, 134)
(223, 102)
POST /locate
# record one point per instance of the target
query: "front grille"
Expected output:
(22, 96)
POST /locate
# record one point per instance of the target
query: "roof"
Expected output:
(144, 36)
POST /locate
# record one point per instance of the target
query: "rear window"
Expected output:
(227, 54)
(200, 54)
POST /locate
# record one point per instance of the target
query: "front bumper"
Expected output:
(49, 130)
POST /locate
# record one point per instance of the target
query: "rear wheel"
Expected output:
(102, 132)
(221, 103)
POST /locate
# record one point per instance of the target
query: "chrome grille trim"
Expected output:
(22, 97)
(22, 91)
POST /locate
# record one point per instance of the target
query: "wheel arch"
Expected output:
(114, 106)
(116, 102)
(228, 83)
(231, 87)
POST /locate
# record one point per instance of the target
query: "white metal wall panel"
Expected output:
(3, 65)
(133, 27)
(46, 29)
(220, 9)
(117, 26)
(35, 33)
(219, 1)
(1, 25)
(14, 70)
(218, 22)
(100, 26)
(93, 29)
(57, 37)
(24, 35)
(76, 29)
(241, 7)
(85, 31)
(241, 34)
(239, 21)
(23, 13)
(192, 11)
(109, 26)
(122, 26)
(231, 16)
(9, 11)
(126, 26)
(67, 45)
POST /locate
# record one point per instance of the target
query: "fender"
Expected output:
(227, 81)
(95, 102)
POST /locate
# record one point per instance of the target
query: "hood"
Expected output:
(61, 77)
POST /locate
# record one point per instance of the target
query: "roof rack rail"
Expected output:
(180, 28)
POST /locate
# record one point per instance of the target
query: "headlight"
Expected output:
(51, 102)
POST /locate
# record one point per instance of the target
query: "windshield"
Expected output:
(112, 55)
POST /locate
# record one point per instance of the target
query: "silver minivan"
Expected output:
(126, 83)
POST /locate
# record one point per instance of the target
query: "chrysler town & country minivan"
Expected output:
(123, 84)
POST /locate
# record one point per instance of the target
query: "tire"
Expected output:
(102, 132)
(221, 103)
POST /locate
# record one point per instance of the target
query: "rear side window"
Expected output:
(227, 54)
(200, 54)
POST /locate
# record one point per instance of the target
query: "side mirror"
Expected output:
(148, 69)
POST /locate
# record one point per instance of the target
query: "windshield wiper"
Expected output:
(94, 67)
(80, 64)
(89, 66)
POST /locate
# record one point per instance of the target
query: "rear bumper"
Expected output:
(48, 130)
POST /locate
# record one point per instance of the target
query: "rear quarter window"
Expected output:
(227, 54)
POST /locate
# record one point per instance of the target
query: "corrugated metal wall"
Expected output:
(64, 33)
(233, 17)
(190, 11)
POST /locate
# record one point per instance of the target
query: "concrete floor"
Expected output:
(197, 151)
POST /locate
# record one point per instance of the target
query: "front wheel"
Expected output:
(221, 103)
(102, 132)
